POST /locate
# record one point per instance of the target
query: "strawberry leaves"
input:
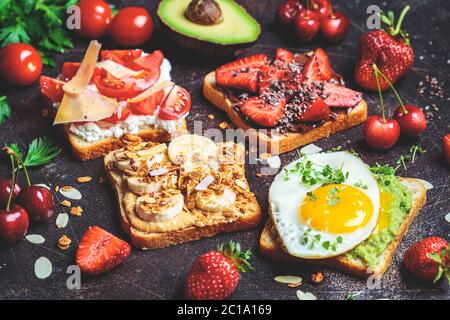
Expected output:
(239, 258)
(444, 268)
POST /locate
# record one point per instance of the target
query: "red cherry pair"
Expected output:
(35, 202)
(315, 16)
(382, 133)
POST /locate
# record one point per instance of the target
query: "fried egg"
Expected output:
(327, 217)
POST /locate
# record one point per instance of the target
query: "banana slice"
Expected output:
(211, 201)
(191, 150)
(161, 209)
(140, 185)
(129, 164)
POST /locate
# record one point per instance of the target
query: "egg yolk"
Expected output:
(383, 218)
(336, 208)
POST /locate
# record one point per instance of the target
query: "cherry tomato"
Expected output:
(20, 64)
(95, 18)
(69, 70)
(131, 26)
(119, 116)
(121, 56)
(381, 133)
(52, 88)
(148, 106)
(176, 105)
(151, 62)
(412, 122)
(306, 25)
(335, 27)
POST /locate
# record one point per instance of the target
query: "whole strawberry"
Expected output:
(429, 259)
(389, 49)
(215, 274)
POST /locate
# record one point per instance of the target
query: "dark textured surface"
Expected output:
(159, 274)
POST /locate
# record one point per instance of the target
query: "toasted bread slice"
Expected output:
(289, 141)
(248, 216)
(269, 245)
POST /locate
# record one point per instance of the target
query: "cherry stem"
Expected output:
(400, 20)
(330, 6)
(375, 71)
(393, 89)
(13, 182)
(19, 160)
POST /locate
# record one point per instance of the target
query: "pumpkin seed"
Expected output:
(61, 220)
(35, 238)
(42, 268)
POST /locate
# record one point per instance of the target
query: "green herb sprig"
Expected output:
(314, 239)
(310, 175)
(40, 151)
(37, 22)
(5, 109)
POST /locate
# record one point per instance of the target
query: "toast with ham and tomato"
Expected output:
(128, 91)
(298, 98)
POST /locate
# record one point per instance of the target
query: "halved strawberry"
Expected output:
(317, 67)
(316, 111)
(339, 96)
(100, 251)
(271, 74)
(284, 55)
(263, 113)
(242, 74)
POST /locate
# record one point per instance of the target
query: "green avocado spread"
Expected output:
(396, 201)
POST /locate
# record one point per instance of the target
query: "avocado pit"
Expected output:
(204, 12)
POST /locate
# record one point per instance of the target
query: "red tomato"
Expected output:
(151, 62)
(131, 26)
(52, 88)
(95, 18)
(20, 64)
(148, 106)
(124, 114)
(121, 56)
(176, 105)
(69, 70)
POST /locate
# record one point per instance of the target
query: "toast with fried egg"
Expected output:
(271, 243)
(190, 189)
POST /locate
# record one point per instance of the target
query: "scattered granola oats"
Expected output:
(84, 179)
(56, 188)
(317, 277)
(265, 156)
(223, 125)
(66, 203)
(258, 174)
(102, 179)
(67, 188)
(76, 211)
(211, 116)
(64, 242)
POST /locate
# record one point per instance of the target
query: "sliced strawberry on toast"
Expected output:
(263, 113)
(100, 251)
(339, 96)
(242, 74)
(284, 55)
(316, 111)
(317, 67)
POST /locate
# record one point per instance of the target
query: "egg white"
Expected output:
(286, 196)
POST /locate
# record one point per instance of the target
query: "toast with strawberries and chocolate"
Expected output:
(297, 97)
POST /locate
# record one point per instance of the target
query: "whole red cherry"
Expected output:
(335, 26)
(38, 201)
(287, 11)
(446, 147)
(321, 7)
(411, 119)
(381, 133)
(13, 224)
(306, 25)
(5, 189)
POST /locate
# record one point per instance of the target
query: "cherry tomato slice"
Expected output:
(52, 88)
(69, 70)
(115, 88)
(150, 62)
(176, 105)
(124, 114)
(121, 56)
(148, 106)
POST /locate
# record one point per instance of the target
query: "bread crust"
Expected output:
(270, 246)
(147, 241)
(289, 141)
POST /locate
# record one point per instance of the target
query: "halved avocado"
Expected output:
(236, 28)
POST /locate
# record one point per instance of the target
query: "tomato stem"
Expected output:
(375, 71)
(393, 89)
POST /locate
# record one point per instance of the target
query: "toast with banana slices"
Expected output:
(187, 190)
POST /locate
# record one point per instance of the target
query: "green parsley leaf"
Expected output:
(40, 151)
(5, 110)
(383, 169)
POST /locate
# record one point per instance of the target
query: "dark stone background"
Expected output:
(159, 274)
